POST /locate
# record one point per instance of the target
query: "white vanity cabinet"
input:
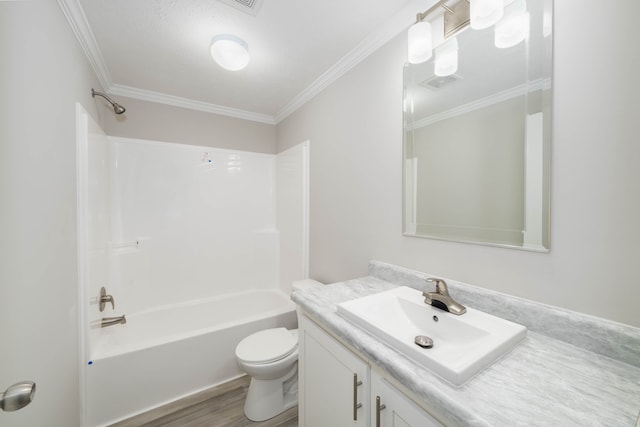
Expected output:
(333, 383)
(338, 388)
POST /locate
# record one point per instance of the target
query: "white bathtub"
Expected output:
(171, 352)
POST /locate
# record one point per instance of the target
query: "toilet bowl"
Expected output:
(270, 358)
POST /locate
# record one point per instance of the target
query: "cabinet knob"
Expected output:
(356, 404)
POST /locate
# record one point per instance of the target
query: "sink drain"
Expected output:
(424, 341)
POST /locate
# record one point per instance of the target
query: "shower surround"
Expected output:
(189, 223)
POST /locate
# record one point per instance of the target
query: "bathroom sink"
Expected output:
(462, 345)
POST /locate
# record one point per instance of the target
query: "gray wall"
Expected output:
(355, 129)
(149, 120)
(470, 178)
(43, 74)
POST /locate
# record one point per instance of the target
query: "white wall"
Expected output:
(355, 126)
(43, 74)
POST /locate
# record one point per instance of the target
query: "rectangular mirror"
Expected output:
(477, 142)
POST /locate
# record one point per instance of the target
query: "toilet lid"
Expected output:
(266, 346)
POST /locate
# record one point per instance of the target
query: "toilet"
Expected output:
(270, 358)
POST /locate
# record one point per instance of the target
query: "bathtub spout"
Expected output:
(110, 321)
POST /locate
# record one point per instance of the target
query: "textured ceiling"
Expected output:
(162, 46)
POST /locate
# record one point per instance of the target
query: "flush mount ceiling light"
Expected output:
(230, 52)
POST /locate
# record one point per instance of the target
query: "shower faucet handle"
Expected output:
(104, 299)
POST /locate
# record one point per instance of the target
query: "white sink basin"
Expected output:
(462, 345)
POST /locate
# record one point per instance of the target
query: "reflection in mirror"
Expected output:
(477, 141)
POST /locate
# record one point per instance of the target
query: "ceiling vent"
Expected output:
(251, 7)
(438, 82)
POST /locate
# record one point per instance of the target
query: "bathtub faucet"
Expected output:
(104, 299)
(110, 321)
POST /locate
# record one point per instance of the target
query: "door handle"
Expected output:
(17, 396)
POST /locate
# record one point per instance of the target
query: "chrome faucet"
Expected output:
(110, 321)
(441, 298)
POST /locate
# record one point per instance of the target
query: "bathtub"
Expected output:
(170, 352)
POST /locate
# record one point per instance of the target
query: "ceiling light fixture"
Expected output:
(230, 52)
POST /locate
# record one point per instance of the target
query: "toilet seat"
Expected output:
(269, 345)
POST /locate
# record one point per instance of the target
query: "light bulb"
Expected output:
(419, 43)
(485, 13)
(230, 52)
(514, 26)
(446, 62)
(512, 31)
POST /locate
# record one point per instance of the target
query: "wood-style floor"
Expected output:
(218, 407)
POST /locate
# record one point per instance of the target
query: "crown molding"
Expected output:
(176, 101)
(383, 34)
(78, 23)
(540, 84)
(77, 20)
(336, 71)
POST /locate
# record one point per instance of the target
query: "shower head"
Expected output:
(117, 108)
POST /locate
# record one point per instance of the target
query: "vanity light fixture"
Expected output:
(421, 34)
(446, 62)
(420, 48)
(230, 52)
(514, 26)
(511, 27)
(485, 13)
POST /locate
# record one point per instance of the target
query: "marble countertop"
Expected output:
(545, 381)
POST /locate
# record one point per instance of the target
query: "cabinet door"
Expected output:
(391, 408)
(333, 382)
